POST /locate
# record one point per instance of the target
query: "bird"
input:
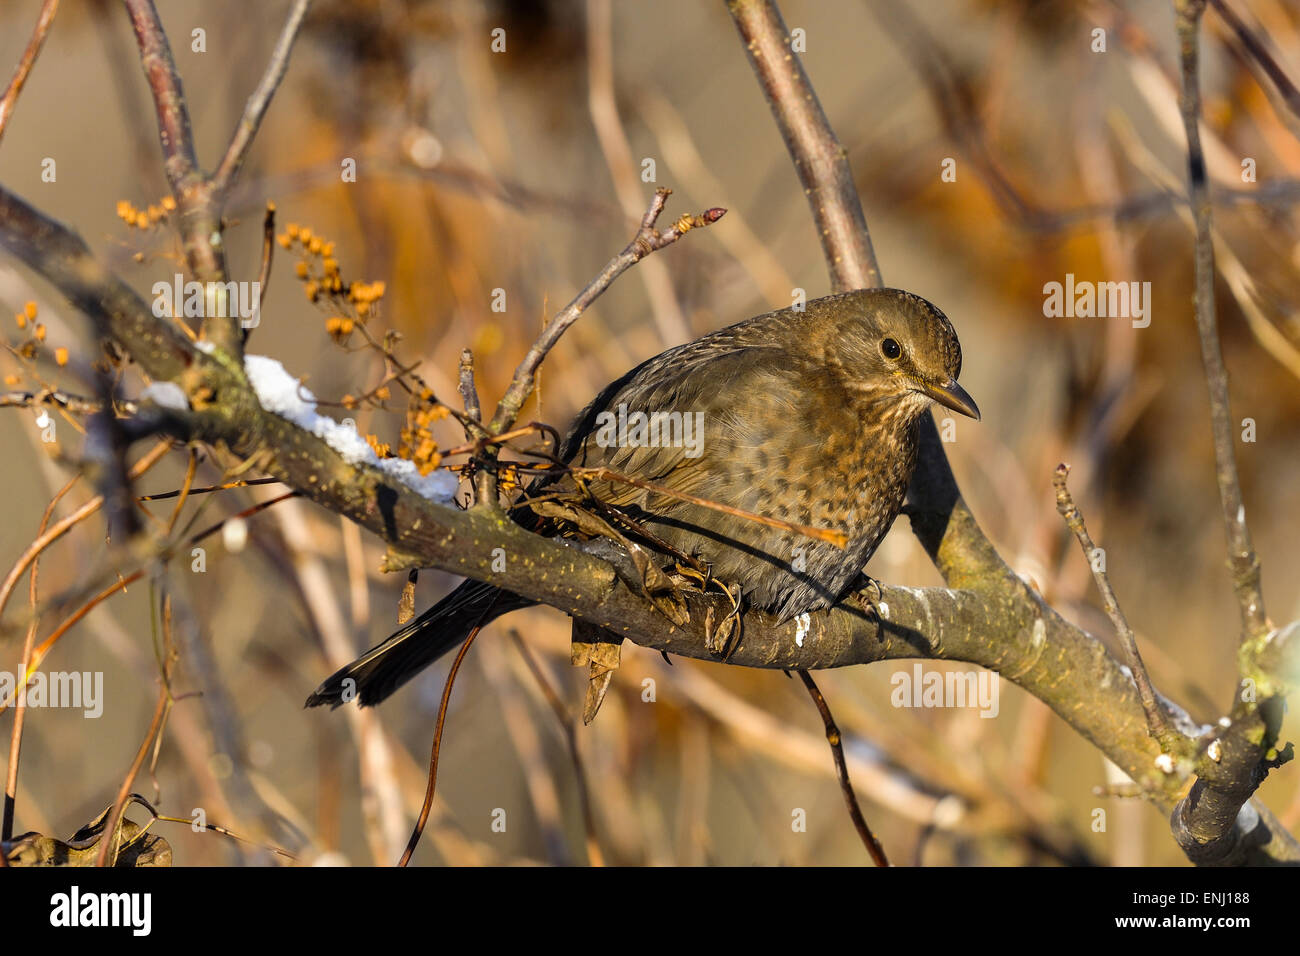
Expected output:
(809, 415)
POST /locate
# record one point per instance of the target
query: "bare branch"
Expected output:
(468, 391)
(1241, 553)
(842, 771)
(819, 158)
(1156, 722)
(1254, 45)
(228, 170)
(177, 138)
(432, 784)
(28, 60)
(20, 711)
(647, 240)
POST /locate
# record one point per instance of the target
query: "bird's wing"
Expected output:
(724, 404)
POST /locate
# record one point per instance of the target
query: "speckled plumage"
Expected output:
(804, 418)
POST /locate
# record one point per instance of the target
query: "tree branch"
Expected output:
(28, 60)
(233, 160)
(1156, 723)
(819, 159)
(647, 240)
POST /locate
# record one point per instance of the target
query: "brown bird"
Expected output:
(809, 416)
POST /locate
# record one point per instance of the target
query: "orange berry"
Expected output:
(61, 356)
(30, 309)
(300, 269)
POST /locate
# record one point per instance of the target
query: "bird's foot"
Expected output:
(862, 597)
(637, 568)
(723, 639)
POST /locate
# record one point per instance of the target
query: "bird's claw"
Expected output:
(723, 639)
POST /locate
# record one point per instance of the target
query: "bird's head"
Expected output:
(895, 346)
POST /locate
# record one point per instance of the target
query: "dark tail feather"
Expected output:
(378, 672)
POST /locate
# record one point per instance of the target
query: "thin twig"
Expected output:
(43, 649)
(42, 541)
(1157, 723)
(24, 68)
(468, 391)
(1241, 552)
(432, 784)
(257, 104)
(58, 398)
(602, 103)
(20, 712)
(153, 733)
(264, 271)
(1254, 45)
(225, 486)
(647, 240)
(842, 769)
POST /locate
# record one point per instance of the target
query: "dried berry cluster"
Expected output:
(347, 303)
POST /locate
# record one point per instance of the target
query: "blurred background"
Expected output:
(511, 177)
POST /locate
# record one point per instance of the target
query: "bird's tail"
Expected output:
(373, 676)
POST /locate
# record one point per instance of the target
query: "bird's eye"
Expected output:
(890, 349)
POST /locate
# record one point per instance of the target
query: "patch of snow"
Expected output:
(166, 395)
(282, 394)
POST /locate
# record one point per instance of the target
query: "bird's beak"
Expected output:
(951, 395)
